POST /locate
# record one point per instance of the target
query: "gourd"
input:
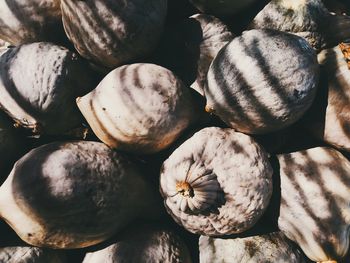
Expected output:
(23, 21)
(73, 194)
(273, 247)
(139, 108)
(218, 182)
(223, 7)
(112, 33)
(39, 84)
(306, 18)
(143, 243)
(315, 197)
(262, 81)
(328, 119)
(31, 255)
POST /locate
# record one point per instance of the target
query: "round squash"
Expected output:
(315, 197)
(73, 195)
(143, 243)
(138, 108)
(39, 84)
(262, 81)
(23, 21)
(274, 247)
(308, 19)
(114, 32)
(216, 183)
(31, 255)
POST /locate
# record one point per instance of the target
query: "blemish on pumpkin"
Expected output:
(251, 248)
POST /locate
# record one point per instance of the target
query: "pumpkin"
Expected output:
(23, 21)
(218, 182)
(315, 197)
(306, 18)
(73, 195)
(273, 247)
(39, 83)
(114, 32)
(153, 244)
(31, 255)
(262, 81)
(139, 108)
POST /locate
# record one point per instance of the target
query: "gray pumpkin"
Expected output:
(31, 255)
(306, 18)
(262, 81)
(315, 197)
(39, 83)
(140, 108)
(23, 21)
(274, 247)
(143, 243)
(216, 183)
(73, 194)
(114, 32)
(329, 117)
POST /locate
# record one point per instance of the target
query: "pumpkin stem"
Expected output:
(185, 189)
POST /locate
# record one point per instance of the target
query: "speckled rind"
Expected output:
(262, 81)
(139, 108)
(332, 122)
(39, 83)
(315, 197)
(114, 32)
(72, 194)
(274, 247)
(145, 243)
(31, 255)
(215, 35)
(303, 18)
(222, 7)
(242, 170)
(23, 21)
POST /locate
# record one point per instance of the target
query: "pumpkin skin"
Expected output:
(329, 118)
(73, 195)
(39, 84)
(309, 19)
(315, 196)
(153, 244)
(140, 108)
(262, 81)
(114, 32)
(31, 255)
(23, 21)
(217, 183)
(274, 247)
(221, 8)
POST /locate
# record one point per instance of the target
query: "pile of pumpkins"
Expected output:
(174, 131)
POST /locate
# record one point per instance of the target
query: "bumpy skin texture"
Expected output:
(270, 248)
(215, 35)
(222, 7)
(331, 122)
(23, 21)
(216, 183)
(145, 243)
(262, 81)
(306, 18)
(72, 195)
(139, 108)
(114, 32)
(31, 255)
(315, 197)
(39, 83)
